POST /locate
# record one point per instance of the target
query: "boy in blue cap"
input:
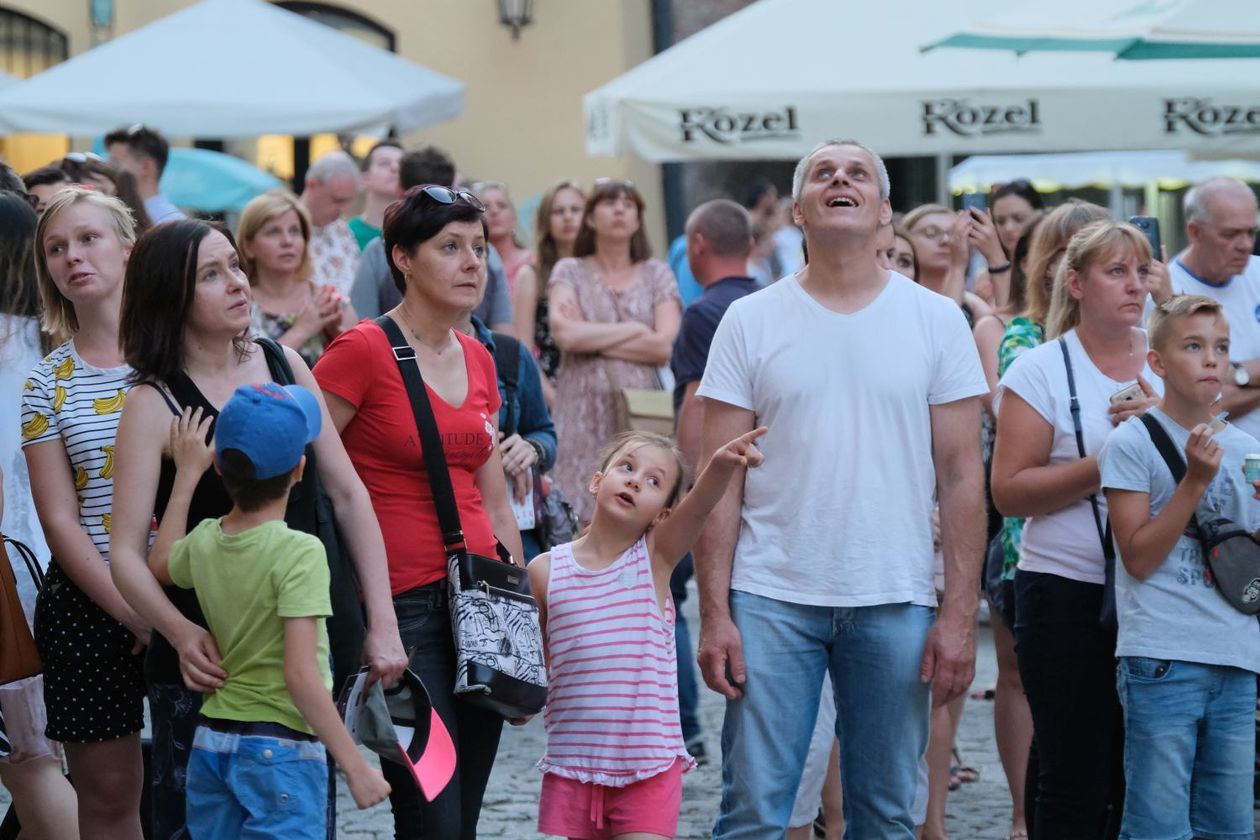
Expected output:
(258, 765)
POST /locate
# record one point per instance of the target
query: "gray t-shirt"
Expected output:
(1176, 613)
(374, 291)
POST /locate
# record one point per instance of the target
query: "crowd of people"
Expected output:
(863, 401)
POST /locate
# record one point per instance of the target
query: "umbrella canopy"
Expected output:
(6, 80)
(1130, 29)
(212, 182)
(1171, 170)
(773, 79)
(232, 68)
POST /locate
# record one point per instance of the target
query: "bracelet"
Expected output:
(1000, 269)
(538, 451)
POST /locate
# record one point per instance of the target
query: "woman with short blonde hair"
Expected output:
(274, 236)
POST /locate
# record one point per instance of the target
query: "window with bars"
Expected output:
(29, 46)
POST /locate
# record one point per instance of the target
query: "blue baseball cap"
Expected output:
(270, 424)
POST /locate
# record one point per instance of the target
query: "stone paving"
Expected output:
(977, 811)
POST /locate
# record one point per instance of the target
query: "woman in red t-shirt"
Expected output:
(436, 242)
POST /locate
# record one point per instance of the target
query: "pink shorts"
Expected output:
(587, 811)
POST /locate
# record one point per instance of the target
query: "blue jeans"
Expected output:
(264, 780)
(424, 622)
(1189, 749)
(688, 687)
(873, 655)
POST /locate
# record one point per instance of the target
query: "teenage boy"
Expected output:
(1188, 660)
(258, 765)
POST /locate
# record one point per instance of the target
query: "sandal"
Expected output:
(962, 773)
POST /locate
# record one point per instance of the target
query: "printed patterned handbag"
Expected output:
(498, 641)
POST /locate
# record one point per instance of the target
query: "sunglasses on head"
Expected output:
(614, 183)
(445, 195)
(84, 157)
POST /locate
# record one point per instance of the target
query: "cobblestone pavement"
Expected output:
(977, 811)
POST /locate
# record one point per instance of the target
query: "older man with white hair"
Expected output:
(1220, 217)
(332, 182)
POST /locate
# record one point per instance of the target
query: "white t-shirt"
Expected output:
(840, 512)
(1066, 542)
(1177, 613)
(1240, 297)
(19, 352)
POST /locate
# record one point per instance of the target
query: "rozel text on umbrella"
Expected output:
(968, 120)
(723, 126)
(1202, 116)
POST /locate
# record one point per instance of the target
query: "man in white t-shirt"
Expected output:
(1221, 226)
(822, 559)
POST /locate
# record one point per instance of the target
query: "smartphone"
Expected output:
(973, 201)
(1149, 225)
(1130, 393)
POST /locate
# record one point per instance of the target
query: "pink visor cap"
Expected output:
(401, 725)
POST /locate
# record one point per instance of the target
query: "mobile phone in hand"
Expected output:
(973, 201)
(1130, 393)
(1149, 225)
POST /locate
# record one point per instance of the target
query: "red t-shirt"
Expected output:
(384, 445)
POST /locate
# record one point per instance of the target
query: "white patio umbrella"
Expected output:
(6, 80)
(1170, 170)
(775, 78)
(1130, 29)
(232, 68)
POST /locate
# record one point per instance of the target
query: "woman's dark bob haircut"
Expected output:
(416, 218)
(158, 291)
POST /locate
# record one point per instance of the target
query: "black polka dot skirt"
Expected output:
(93, 684)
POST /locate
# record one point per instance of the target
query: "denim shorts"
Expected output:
(1189, 749)
(257, 780)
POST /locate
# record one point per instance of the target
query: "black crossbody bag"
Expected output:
(498, 641)
(1107, 614)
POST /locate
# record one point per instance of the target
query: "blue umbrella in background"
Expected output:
(213, 182)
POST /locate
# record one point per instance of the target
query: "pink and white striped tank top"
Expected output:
(612, 704)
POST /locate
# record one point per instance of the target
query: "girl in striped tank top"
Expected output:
(615, 754)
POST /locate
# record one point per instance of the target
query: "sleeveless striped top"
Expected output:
(612, 705)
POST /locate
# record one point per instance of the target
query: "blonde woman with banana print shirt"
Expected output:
(89, 639)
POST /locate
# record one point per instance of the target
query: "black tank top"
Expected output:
(209, 501)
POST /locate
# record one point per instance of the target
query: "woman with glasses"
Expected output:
(942, 239)
(435, 240)
(614, 314)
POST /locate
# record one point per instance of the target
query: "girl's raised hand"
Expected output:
(742, 452)
(189, 449)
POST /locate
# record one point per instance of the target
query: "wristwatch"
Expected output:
(1241, 378)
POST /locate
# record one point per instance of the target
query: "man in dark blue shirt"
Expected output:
(719, 240)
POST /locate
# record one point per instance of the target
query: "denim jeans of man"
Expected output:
(1189, 750)
(1067, 664)
(873, 654)
(424, 622)
(688, 686)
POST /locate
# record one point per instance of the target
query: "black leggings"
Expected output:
(1068, 667)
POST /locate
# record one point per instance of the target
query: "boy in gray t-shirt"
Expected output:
(1188, 660)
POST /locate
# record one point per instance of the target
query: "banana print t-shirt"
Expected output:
(67, 399)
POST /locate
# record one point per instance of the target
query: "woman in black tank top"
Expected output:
(184, 327)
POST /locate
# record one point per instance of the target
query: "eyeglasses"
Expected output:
(136, 128)
(84, 157)
(445, 195)
(605, 183)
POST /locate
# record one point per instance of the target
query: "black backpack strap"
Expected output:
(430, 437)
(277, 362)
(1171, 455)
(507, 362)
(1104, 532)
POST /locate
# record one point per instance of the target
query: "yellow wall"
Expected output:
(522, 121)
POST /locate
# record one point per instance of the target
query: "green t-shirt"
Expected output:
(363, 232)
(247, 585)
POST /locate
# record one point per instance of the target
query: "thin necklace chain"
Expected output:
(437, 350)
